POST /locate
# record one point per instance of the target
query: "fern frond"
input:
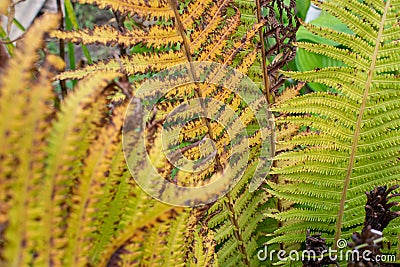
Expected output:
(356, 43)
(203, 248)
(206, 26)
(234, 219)
(163, 33)
(248, 10)
(344, 55)
(76, 111)
(152, 9)
(245, 42)
(212, 20)
(353, 143)
(195, 11)
(168, 251)
(183, 31)
(135, 64)
(112, 205)
(139, 211)
(156, 37)
(23, 138)
(163, 244)
(95, 171)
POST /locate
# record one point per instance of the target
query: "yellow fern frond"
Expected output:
(163, 244)
(210, 51)
(194, 11)
(77, 124)
(95, 171)
(212, 19)
(289, 93)
(22, 137)
(143, 8)
(156, 37)
(203, 247)
(245, 42)
(135, 64)
(248, 61)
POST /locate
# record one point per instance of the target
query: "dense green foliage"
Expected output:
(353, 140)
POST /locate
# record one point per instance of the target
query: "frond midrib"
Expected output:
(352, 157)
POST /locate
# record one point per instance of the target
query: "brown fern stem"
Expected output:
(186, 48)
(266, 81)
(267, 88)
(181, 30)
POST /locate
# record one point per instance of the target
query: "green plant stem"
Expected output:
(73, 24)
(19, 25)
(6, 40)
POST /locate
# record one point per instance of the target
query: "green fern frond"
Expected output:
(160, 245)
(112, 204)
(203, 249)
(138, 211)
(354, 143)
(234, 221)
(96, 169)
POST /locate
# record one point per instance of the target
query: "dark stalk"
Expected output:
(61, 46)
